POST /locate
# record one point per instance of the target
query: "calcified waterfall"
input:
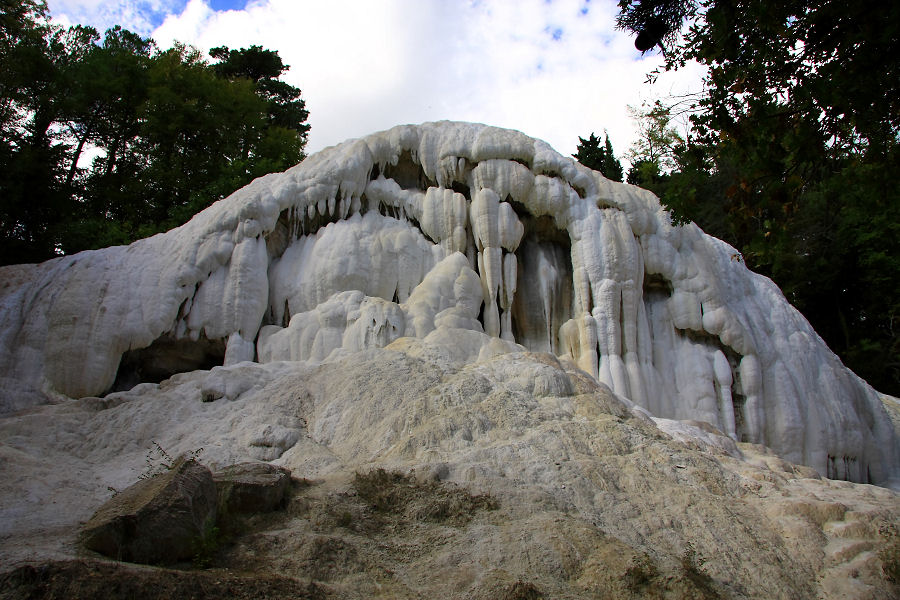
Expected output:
(466, 236)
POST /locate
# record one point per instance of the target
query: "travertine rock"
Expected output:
(251, 487)
(584, 486)
(421, 230)
(157, 520)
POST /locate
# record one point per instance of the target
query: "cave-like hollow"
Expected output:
(543, 301)
(165, 357)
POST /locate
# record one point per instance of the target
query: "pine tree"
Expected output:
(599, 157)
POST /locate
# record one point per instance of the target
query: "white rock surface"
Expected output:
(427, 231)
(585, 482)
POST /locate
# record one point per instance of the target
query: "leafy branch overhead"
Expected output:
(655, 22)
(654, 152)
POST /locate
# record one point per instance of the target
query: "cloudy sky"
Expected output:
(554, 69)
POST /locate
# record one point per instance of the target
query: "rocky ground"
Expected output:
(418, 477)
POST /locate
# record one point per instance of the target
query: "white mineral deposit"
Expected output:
(463, 301)
(353, 248)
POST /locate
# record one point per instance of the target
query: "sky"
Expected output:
(553, 69)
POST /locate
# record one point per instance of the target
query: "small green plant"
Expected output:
(345, 519)
(691, 562)
(640, 573)
(206, 545)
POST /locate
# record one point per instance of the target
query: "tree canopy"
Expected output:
(654, 153)
(104, 140)
(792, 155)
(599, 156)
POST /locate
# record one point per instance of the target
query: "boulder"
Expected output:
(156, 520)
(251, 487)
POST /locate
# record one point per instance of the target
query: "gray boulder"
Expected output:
(252, 487)
(156, 520)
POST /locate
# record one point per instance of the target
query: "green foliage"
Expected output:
(599, 157)
(253, 63)
(792, 154)
(646, 174)
(344, 519)
(206, 546)
(168, 133)
(653, 153)
(285, 110)
(657, 22)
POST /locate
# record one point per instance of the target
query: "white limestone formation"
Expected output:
(473, 239)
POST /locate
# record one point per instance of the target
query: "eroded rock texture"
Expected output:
(476, 239)
(156, 520)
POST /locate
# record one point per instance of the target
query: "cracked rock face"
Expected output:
(475, 241)
(156, 520)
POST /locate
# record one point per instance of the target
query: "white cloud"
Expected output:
(140, 16)
(555, 70)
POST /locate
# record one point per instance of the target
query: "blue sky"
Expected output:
(227, 4)
(143, 16)
(554, 70)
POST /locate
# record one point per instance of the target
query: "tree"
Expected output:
(791, 153)
(653, 153)
(35, 81)
(599, 158)
(263, 68)
(788, 54)
(22, 50)
(105, 142)
(612, 168)
(201, 135)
